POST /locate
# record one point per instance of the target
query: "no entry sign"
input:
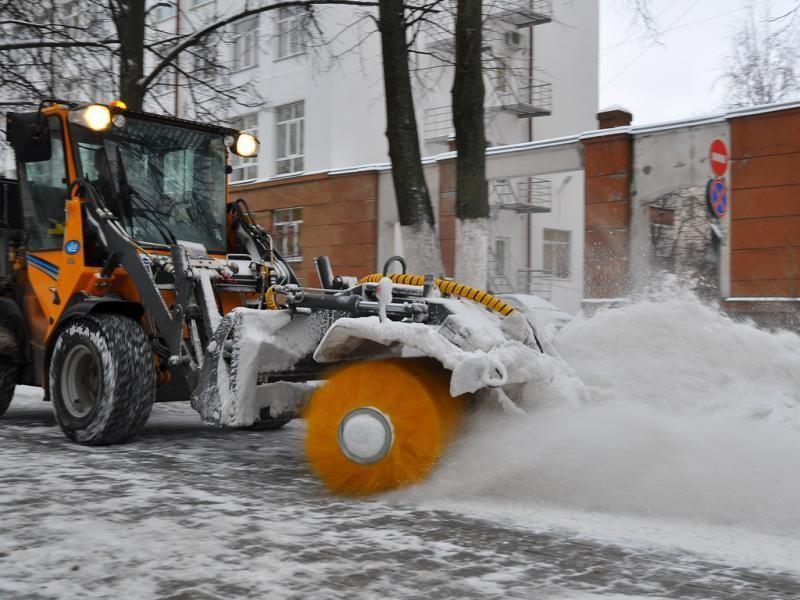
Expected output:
(717, 197)
(718, 156)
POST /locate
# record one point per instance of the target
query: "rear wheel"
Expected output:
(102, 379)
(375, 426)
(8, 381)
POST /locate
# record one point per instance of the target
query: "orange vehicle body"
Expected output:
(48, 279)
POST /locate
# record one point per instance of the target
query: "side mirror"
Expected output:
(29, 135)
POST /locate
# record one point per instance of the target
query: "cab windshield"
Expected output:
(164, 182)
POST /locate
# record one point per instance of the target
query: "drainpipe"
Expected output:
(529, 218)
(177, 33)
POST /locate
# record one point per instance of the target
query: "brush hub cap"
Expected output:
(365, 435)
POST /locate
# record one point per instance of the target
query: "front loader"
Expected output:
(129, 276)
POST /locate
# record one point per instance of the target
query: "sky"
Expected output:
(680, 76)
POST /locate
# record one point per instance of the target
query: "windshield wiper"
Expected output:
(129, 193)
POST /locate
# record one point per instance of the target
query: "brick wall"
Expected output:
(765, 207)
(339, 218)
(447, 214)
(608, 164)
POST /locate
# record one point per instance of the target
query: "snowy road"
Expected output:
(676, 475)
(185, 512)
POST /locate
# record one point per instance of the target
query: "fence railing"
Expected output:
(535, 281)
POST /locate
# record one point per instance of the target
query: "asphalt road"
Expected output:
(185, 512)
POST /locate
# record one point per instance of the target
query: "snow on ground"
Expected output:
(676, 479)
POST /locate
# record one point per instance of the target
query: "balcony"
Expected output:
(525, 97)
(438, 123)
(441, 43)
(525, 13)
(528, 195)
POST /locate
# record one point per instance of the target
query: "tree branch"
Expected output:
(195, 37)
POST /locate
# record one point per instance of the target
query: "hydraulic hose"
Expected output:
(447, 288)
(269, 299)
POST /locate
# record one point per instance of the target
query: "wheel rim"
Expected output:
(365, 435)
(80, 381)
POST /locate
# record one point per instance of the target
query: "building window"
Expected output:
(204, 59)
(286, 226)
(500, 256)
(163, 12)
(290, 133)
(196, 3)
(290, 31)
(245, 44)
(245, 168)
(556, 252)
(74, 14)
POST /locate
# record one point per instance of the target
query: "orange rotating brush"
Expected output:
(379, 425)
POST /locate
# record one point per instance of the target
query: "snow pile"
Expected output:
(483, 352)
(692, 418)
(258, 342)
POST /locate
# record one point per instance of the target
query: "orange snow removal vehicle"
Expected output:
(129, 276)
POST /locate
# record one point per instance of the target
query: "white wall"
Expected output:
(566, 53)
(567, 214)
(667, 160)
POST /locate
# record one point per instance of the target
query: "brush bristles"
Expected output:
(413, 393)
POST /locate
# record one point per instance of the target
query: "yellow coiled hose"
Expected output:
(269, 298)
(448, 288)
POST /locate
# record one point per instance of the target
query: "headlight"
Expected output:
(246, 145)
(94, 116)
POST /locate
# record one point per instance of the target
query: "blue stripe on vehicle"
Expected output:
(44, 266)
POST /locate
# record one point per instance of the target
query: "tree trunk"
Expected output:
(420, 243)
(129, 19)
(472, 202)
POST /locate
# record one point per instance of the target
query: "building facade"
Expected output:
(319, 108)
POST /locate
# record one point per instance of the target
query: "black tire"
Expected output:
(269, 424)
(102, 379)
(8, 381)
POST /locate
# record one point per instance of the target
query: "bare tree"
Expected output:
(417, 221)
(761, 65)
(40, 38)
(472, 195)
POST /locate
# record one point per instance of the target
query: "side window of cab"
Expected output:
(43, 191)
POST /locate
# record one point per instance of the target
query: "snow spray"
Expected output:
(691, 416)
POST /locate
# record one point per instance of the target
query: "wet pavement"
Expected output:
(186, 512)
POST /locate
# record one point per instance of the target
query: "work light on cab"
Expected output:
(95, 116)
(246, 145)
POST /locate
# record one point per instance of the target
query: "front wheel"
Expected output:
(8, 381)
(102, 379)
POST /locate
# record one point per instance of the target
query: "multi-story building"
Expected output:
(313, 93)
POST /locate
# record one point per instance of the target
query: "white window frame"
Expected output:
(205, 60)
(242, 168)
(555, 245)
(243, 37)
(286, 232)
(75, 17)
(289, 131)
(290, 38)
(162, 13)
(500, 260)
